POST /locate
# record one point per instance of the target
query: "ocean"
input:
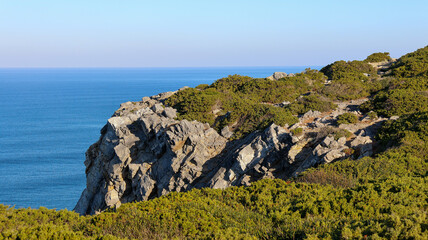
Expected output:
(51, 116)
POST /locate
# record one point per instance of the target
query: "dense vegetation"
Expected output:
(378, 57)
(412, 64)
(245, 104)
(394, 208)
(315, 102)
(349, 80)
(379, 197)
(407, 88)
(347, 118)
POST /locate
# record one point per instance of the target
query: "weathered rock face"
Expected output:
(144, 152)
(277, 75)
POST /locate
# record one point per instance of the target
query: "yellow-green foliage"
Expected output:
(297, 131)
(347, 118)
(269, 209)
(410, 132)
(403, 96)
(412, 64)
(351, 70)
(245, 103)
(408, 91)
(378, 57)
(348, 80)
(334, 132)
(313, 102)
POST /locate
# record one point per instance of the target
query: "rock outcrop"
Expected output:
(278, 75)
(145, 152)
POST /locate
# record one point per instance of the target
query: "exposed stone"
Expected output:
(295, 150)
(364, 145)
(157, 108)
(311, 114)
(183, 88)
(147, 153)
(225, 132)
(333, 155)
(277, 75)
(170, 112)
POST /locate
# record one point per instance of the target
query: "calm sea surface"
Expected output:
(51, 116)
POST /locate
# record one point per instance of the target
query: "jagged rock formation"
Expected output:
(144, 152)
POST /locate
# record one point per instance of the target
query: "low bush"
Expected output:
(378, 57)
(349, 80)
(243, 103)
(351, 71)
(372, 115)
(313, 102)
(297, 131)
(345, 89)
(412, 64)
(397, 102)
(332, 131)
(274, 209)
(347, 118)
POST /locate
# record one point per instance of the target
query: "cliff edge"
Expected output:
(145, 152)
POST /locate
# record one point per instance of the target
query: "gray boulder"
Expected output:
(277, 75)
(225, 132)
(170, 112)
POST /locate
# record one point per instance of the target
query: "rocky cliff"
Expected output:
(144, 152)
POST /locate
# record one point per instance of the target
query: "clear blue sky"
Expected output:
(106, 33)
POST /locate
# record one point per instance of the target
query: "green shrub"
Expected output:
(194, 104)
(345, 89)
(313, 102)
(351, 70)
(348, 80)
(244, 103)
(412, 64)
(372, 115)
(342, 133)
(397, 102)
(332, 131)
(410, 132)
(378, 57)
(347, 118)
(202, 86)
(297, 131)
(272, 209)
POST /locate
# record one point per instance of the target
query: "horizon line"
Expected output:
(159, 67)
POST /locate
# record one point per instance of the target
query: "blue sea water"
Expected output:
(51, 116)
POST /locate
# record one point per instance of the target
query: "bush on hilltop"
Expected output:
(378, 57)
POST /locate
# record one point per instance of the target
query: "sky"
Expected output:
(107, 33)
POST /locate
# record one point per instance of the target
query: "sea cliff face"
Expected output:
(144, 152)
